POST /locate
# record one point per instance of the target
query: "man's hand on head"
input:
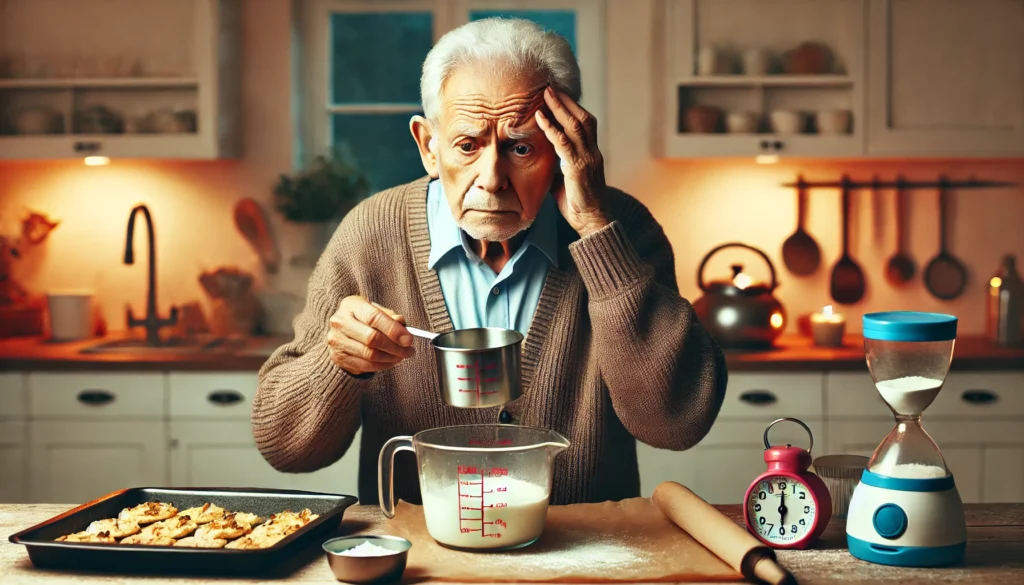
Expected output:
(581, 190)
(366, 337)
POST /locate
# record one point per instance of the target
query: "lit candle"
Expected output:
(827, 328)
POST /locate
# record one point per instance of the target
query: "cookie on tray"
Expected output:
(148, 512)
(196, 542)
(205, 514)
(115, 527)
(83, 536)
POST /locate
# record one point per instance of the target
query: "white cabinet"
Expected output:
(696, 94)
(97, 396)
(13, 437)
(73, 462)
(977, 421)
(722, 466)
(120, 78)
(212, 443)
(13, 461)
(946, 78)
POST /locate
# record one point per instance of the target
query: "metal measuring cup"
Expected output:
(478, 367)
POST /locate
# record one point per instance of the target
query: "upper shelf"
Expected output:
(100, 82)
(767, 81)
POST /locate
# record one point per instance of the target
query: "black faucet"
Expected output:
(152, 322)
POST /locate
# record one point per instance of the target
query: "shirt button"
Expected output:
(505, 417)
(495, 290)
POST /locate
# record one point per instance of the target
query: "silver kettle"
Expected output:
(740, 313)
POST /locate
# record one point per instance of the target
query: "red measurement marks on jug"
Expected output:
(476, 376)
(481, 500)
(499, 443)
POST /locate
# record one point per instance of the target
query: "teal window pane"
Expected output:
(381, 145)
(562, 22)
(377, 57)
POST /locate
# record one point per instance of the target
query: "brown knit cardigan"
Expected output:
(613, 353)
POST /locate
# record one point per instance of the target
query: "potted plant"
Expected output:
(319, 197)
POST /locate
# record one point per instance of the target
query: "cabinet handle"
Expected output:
(225, 397)
(979, 396)
(95, 397)
(82, 146)
(758, 397)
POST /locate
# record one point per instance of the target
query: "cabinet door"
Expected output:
(73, 462)
(1004, 473)
(946, 77)
(722, 466)
(224, 454)
(13, 470)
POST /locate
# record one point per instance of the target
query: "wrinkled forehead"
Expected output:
(474, 106)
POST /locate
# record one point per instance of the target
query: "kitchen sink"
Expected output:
(172, 345)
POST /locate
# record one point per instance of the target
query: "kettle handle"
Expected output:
(703, 263)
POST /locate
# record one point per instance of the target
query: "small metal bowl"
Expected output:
(351, 569)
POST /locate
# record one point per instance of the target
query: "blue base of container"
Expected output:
(906, 556)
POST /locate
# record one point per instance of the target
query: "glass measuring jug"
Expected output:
(484, 487)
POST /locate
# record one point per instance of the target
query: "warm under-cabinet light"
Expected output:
(96, 161)
(766, 159)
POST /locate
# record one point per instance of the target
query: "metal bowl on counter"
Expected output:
(367, 559)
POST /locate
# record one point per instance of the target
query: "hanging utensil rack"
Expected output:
(942, 182)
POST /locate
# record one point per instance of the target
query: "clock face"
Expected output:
(781, 509)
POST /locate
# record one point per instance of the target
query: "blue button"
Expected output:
(890, 521)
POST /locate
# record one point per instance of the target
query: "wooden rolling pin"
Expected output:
(730, 542)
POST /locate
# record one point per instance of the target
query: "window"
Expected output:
(362, 69)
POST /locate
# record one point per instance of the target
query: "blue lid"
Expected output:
(909, 326)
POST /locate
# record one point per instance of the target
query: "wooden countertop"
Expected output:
(792, 353)
(995, 553)
(795, 352)
(33, 353)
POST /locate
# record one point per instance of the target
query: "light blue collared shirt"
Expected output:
(474, 294)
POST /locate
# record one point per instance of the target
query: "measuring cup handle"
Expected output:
(386, 472)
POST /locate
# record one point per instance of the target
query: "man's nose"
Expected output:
(491, 175)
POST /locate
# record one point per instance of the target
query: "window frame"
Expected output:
(315, 21)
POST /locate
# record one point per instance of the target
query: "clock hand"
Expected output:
(782, 509)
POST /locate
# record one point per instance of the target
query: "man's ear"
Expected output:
(427, 143)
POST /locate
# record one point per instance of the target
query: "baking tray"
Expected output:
(44, 552)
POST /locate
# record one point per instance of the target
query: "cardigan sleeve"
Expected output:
(665, 375)
(305, 413)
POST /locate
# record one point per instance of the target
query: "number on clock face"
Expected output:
(782, 510)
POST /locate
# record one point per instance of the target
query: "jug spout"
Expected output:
(556, 443)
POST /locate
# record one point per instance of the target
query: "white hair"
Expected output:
(520, 46)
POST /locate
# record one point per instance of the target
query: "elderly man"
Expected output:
(513, 227)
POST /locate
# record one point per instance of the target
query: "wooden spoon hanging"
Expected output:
(900, 269)
(848, 283)
(944, 276)
(800, 252)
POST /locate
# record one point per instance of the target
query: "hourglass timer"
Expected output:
(906, 510)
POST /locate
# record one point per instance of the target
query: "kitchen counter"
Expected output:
(33, 353)
(792, 353)
(795, 353)
(995, 553)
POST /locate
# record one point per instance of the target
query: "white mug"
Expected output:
(708, 60)
(70, 315)
(755, 62)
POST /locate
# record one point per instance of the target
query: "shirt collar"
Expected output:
(446, 235)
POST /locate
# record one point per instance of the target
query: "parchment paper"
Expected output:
(626, 541)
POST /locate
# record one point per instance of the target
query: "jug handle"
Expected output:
(386, 472)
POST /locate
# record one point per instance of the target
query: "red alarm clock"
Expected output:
(787, 506)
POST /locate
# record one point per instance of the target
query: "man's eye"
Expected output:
(467, 146)
(522, 149)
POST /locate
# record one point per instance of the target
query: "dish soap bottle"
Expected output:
(1004, 304)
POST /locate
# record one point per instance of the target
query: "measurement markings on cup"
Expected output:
(478, 380)
(474, 488)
